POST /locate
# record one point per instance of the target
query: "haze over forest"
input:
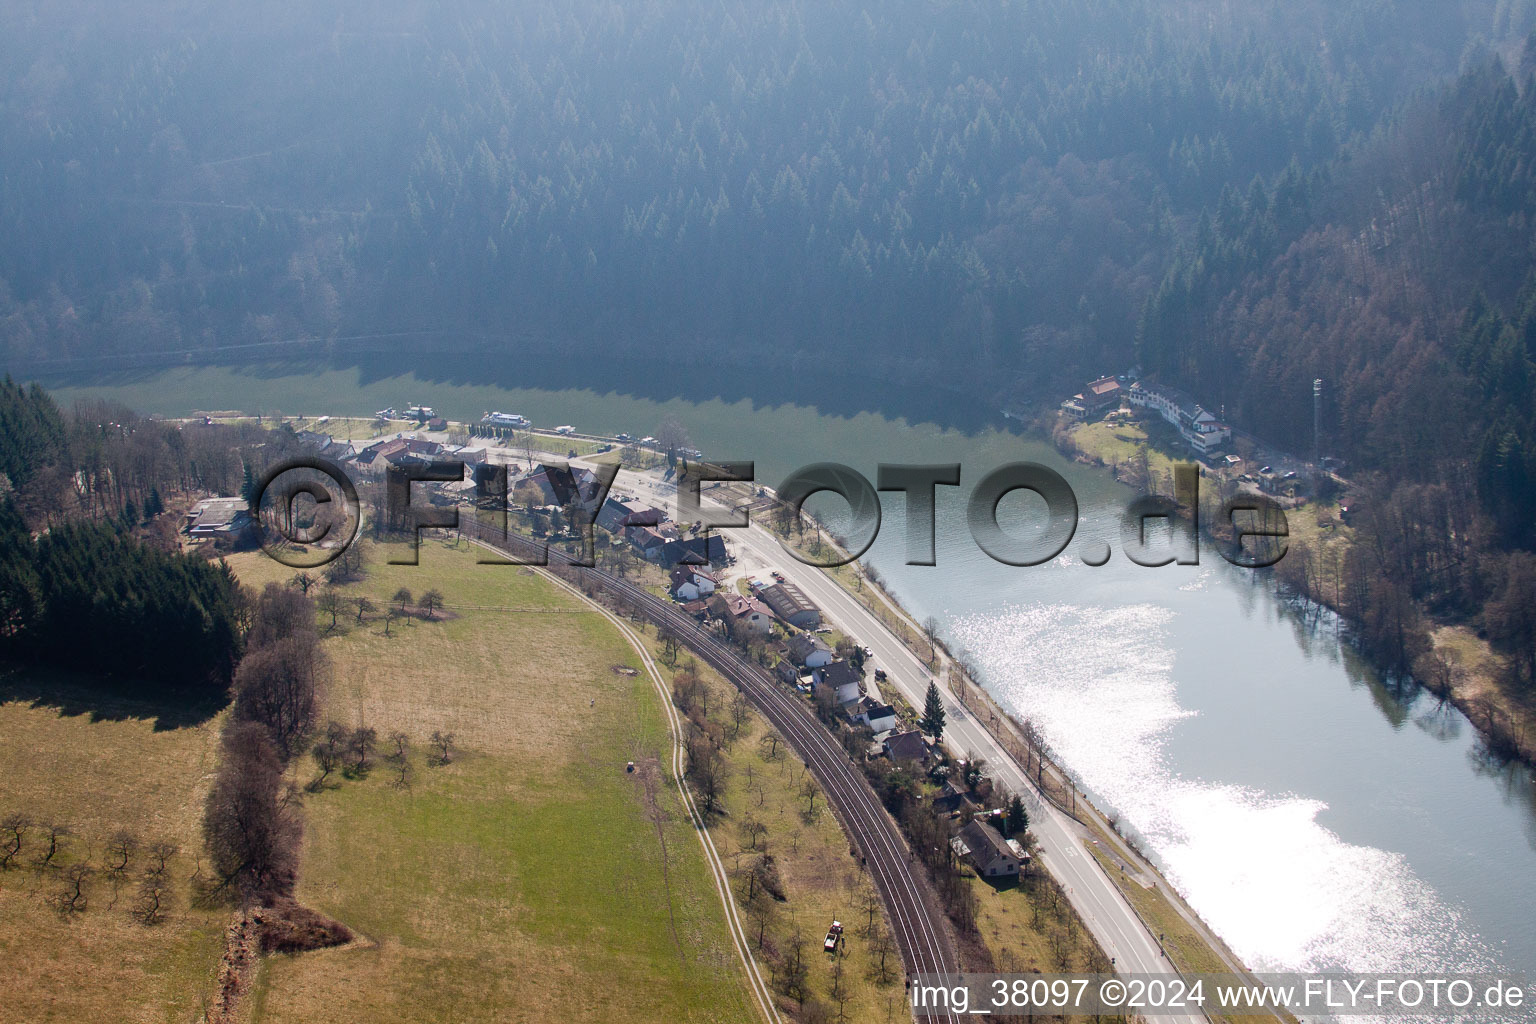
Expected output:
(1003, 197)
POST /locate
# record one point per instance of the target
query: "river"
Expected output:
(1317, 818)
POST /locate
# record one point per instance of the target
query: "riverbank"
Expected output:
(1464, 669)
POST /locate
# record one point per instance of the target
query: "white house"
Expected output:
(879, 717)
(809, 650)
(844, 681)
(690, 583)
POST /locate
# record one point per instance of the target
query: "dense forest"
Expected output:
(90, 598)
(89, 544)
(904, 187)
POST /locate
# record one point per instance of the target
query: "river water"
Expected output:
(1317, 818)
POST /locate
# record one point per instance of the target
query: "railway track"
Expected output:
(925, 945)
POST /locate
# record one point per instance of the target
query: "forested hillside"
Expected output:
(978, 186)
(1405, 278)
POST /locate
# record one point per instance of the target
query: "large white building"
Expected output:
(1204, 432)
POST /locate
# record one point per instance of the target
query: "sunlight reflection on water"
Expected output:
(1283, 890)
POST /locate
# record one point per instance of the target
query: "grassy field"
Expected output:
(822, 880)
(1117, 443)
(532, 878)
(561, 444)
(99, 765)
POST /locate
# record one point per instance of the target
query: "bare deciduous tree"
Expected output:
(160, 855)
(364, 740)
(753, 831)
(740, 712)
(154, 894)
(796, 972)
(931, 634)
(328, 751)
(761, 911)
(443, 742)
(329, 602)
(72, 899)
(53, 835)
(810, 791)
(706, 770)
(400, 745)
(121, 847)
(14, 831)
(883, 950)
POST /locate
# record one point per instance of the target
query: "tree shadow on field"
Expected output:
(103, 699)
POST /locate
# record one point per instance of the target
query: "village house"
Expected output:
(338, 451)
(986, 851)
(562, 488)
(373, 459)
(689, 583)
(791, 605)
(648, 541)
(845, 682)
(787, 672)
(951, 797)
(706, 550)
(618, 513)
(742, 612)
(906, 747)
(878, 716)
(809, 650)
(312, 439)
(1100, 395)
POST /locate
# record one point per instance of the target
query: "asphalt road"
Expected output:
(1103, 909)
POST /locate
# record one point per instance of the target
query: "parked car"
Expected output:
(625, 437)
(1266, 469)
